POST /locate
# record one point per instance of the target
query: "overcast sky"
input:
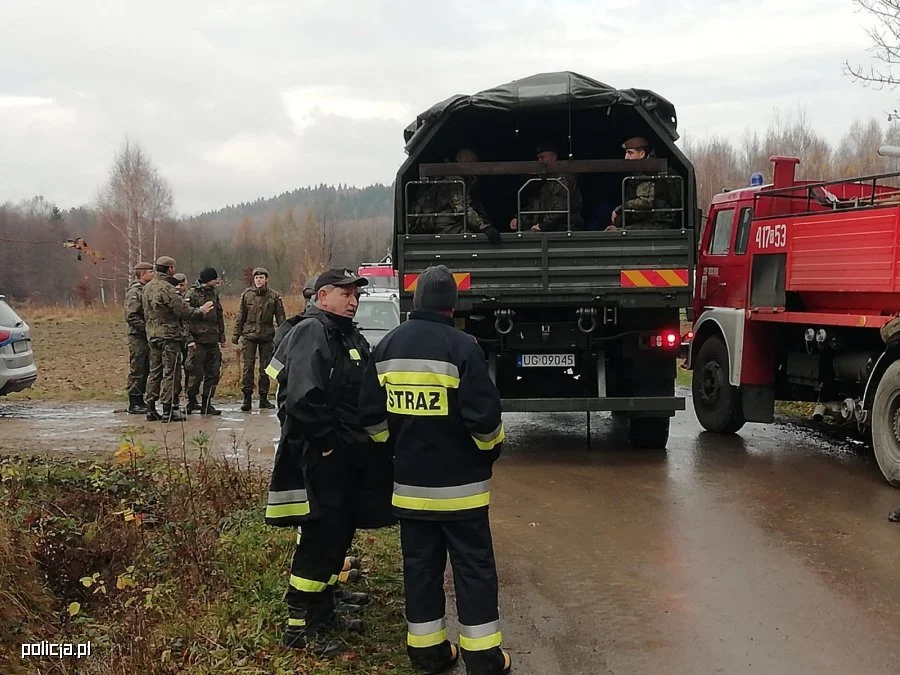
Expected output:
(235, 100)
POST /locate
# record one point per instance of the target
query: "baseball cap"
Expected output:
(339, 276)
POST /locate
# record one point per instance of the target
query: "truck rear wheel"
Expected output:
(886, 424)
(648, 433)
(716, 403)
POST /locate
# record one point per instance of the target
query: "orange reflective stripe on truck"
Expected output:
(463, 281)
(667, 278)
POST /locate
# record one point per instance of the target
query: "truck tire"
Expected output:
(717, 404)
(886, 424)
(648, 433)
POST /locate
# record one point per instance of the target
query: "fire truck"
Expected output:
(797, 292)
(381, 275)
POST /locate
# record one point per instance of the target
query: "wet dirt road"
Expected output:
(764, 553)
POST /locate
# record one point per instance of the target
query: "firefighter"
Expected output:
(427, 394)
(328, 476)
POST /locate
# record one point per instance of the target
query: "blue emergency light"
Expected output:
(756, 179)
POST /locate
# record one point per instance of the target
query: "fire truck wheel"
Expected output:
(886, 424)
(648, 433)
(716, 403)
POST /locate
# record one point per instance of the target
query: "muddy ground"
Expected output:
(768, 552)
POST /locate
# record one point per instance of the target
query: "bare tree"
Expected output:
(135, 200)
(885, 35)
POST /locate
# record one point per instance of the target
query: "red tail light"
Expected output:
(5, 335)
(670, 338)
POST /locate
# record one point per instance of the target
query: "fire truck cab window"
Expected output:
(743, 233)
(720, 240)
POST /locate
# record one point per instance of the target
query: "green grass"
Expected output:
(170, 567)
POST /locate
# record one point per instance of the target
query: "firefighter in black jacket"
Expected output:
(427, 394)
(328, 476)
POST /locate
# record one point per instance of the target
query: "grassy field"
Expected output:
(165, 566)
(82, 354)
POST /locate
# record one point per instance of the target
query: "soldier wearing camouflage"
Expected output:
(551, 195)
(165, 311)
(207, 333)
(261, 312)
(642, 196)
(138, 349)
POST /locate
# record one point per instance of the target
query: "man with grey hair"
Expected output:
(427, 396)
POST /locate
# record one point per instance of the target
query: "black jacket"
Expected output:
(319, 367)
(428, 395)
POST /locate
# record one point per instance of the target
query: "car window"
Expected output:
(377, 315)
(8, 317)
(721, 235)
(743, 233)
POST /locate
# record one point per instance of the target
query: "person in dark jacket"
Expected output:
(427, 394)
(138, 348)
(261, 312)
(328, 477)
(309, 296)
(206, 335)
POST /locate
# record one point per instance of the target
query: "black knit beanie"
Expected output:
(435, 289)
(207, 274)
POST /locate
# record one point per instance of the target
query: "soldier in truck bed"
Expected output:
(644, 196)
(551, 195)
(448, 198)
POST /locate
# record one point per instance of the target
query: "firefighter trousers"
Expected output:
(426, 544)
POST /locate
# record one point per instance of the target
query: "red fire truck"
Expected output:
(796, 295)
(381, 275)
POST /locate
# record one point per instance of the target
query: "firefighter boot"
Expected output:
(207, 407)
(193, 406)
(494, 662)
(351, 598)
(248, 403)
(152, 414)
(171, 413)
(436, 660)
(136, 405)
(303, 632)
(265, 404)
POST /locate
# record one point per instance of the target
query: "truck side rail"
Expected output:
(576, 166)
(805, 198)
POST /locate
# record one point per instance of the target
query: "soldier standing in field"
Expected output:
(138, 349)
(261, 312)
(207, 333)
(165, 311)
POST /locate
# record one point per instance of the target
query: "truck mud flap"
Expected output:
(664, 405)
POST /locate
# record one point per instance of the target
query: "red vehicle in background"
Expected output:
(796, 298)
(381, 275)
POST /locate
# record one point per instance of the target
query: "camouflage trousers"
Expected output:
(249, 349)
(138, 365)
(163, 384)
(203, 365)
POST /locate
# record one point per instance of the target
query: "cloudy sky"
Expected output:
(235, 100)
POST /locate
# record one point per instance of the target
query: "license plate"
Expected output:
(21, 346)
(546, 360)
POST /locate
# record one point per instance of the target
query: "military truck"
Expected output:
(580, 320)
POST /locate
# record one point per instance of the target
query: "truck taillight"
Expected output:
(667, 339)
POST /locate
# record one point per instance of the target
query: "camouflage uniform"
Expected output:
(138, 349)
(447, 198)
(165, 312)
(648, 195)
(261, 311)
(204, 364)
(551, 196)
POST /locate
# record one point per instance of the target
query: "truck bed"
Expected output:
(629, 268)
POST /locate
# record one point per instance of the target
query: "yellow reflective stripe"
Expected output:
(297, 622)
(379, 432)
(333, 580)
(424, 641)
(354, 354)
(307, 585)
(480, 644)
(271, 372)
(451, 504)
(490, 441)
(382, 436)
(287, 510)
(408, 377)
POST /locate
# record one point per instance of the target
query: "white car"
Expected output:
(377, 314)
(17, 369)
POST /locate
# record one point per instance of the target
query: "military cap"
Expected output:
(180, 278)
(260, 270)
(143, 266)
(165, 261)
(636, 143)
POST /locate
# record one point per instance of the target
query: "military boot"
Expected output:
(248, 403)
(136, 405)
(207, 407)
(152, 414)
(193, 406)
(304, 632)
(264, 403)
(171, 413)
